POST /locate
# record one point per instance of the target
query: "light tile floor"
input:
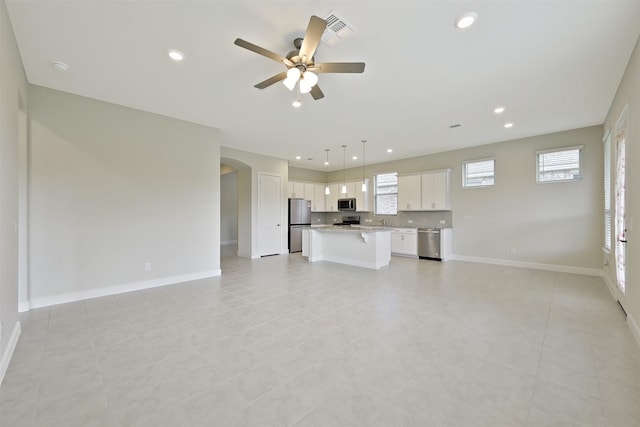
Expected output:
(278, 342)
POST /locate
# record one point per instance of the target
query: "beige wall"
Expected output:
(300, 174)
(13, 91)
(111, 189)
(229, 208)
(629, 94)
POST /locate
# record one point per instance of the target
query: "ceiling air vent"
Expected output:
(337, 28)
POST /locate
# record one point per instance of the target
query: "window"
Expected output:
(607, 192)
(559, 165)
(478, 173)
(387, 193)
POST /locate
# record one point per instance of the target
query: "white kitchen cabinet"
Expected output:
(318, 204)
(332, 199)
(435, 192)
(409, 193)
(310, 192)
(295, 189)
(362, 197)
(351, 190)
(404, 242)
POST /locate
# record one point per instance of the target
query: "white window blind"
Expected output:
(559, 165)
(478, 173)
(387, 193)
(607, 193)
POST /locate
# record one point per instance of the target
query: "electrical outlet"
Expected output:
(318, 220)
(147, 266)
(410, 221)
(442, 221)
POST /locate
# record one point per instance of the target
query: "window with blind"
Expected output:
(607, 193)
(478, 173)
(559, 165)
(386, 193)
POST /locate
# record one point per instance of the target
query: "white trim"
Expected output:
(24, 306)
(8, 352)
(610, 286)
(635, 329)
(120, 289)
(245, 255)
(531, 265)
(229, 242)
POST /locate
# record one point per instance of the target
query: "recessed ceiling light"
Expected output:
(389, 150)
(59, 66)
(466, 20)
(176, 55)
(298, 157)
(508, 125)
(326, 163)
(354, 158)
(499, 110)
(297, 103)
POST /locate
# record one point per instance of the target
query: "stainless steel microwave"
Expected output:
(346, 204)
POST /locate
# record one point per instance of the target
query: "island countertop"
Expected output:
(355, 228)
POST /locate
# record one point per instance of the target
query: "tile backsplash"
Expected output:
(418, 219)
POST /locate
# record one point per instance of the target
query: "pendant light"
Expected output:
(327, 191)
(344, 165)
(364, 183)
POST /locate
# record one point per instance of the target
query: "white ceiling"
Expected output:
(554, 65)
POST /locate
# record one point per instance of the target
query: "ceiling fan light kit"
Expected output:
(300, 63)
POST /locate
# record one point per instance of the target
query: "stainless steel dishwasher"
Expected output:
(429, 243)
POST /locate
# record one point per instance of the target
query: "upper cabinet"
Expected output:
(436, 194)
(427, 191)
(362, 197)
(295, 190)
(320, 202)
(409, 196)
(332, 199)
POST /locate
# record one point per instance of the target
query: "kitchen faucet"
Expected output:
(384, 222)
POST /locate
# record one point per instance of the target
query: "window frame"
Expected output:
(608, 224)
(580, 149)
(375, 194)
(464, 173)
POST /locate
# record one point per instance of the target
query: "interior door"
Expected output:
(270, 214)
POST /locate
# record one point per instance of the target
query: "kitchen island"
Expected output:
(368, 247)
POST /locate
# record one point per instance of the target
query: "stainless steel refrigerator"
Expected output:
(299, 217)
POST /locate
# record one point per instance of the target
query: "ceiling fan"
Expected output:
(301, 67)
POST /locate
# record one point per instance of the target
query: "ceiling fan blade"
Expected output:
(271, 80)
(312, 37)
(316, 93)
(262, 51)
(338, 67)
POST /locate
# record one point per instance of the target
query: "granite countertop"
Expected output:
(358, 228)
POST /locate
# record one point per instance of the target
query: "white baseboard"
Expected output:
(8, 353)
(119, 289)
(229, 242)
(610, 286)
(530, 265)
(23, 306)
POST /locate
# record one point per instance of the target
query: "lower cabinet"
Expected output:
(404, 242)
